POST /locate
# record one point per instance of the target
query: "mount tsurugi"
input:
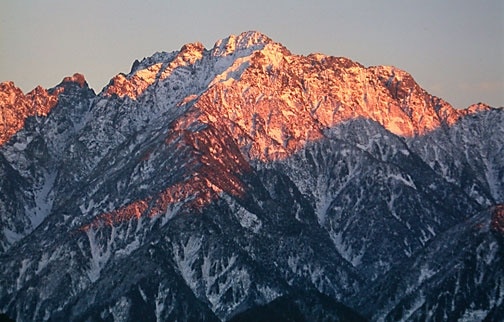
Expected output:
(244, 182)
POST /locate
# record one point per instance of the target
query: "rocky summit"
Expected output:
(246, 183)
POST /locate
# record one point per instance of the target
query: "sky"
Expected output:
(453, 48)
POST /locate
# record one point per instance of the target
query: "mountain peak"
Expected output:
(75, 78)
(8, 86)
(249, 40)
(15, 107)
(190, 53)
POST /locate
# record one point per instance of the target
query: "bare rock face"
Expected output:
(243, 181)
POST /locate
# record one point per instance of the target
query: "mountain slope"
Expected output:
(469, 280)
(207, 183)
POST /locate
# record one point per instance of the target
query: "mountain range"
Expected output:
(248, 183)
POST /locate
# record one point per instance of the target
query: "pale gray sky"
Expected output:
(453, 48)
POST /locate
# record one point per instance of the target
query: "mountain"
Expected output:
(244, 182)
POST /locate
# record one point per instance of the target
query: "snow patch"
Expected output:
(425, 273)
(43, 261)
(160, 307)
(492, 175)
(20, 146)
(99, 254)
(87, 209)
(406, 181)
(249, 220)
(129, 248)
(171, 211)
(25, 263)
(293, 262)
(233, 72)
(346, 251)
(474, 315)
(142, 294)
(246, 218)
(12, 236)
(43, 198)
(121, 309)
(188, 255)
(268, 293)
(419, 302)
(322, 206)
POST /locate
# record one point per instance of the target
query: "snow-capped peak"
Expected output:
(249, 40)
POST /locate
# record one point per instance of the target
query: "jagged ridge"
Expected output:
(198, 161)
